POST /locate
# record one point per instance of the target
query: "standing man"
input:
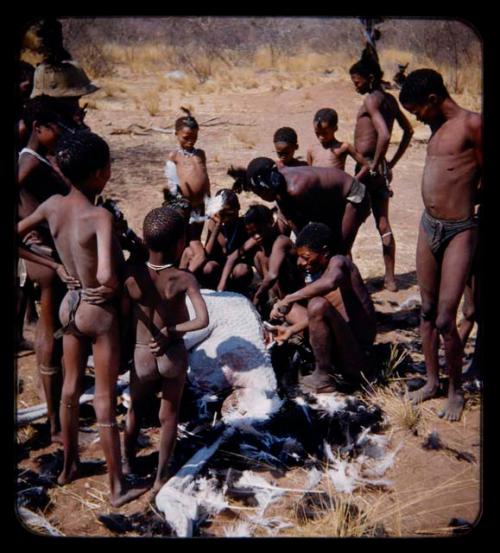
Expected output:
(448, 228)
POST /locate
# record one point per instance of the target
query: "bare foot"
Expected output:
(69, 475)
(56, 438)
(453, 408)
(422, 394)
(390, 284)
(128, 494)
(127, 466)
(318, 383)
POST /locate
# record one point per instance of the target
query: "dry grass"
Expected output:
(151, 101)
(399, 412)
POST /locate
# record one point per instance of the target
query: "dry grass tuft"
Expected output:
(151, 101)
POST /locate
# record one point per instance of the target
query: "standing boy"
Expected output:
(157, 291)
(83, 237)
(448, 228)
(372, 134)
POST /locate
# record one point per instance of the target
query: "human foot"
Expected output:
(390, 284)
(453, 408)
(422, 394)
(318, 383)
(127, 494)
(68, 475)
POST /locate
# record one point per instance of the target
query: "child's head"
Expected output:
(186, 130)
(84, 159)
(231, 206)
(42, 117)
(314, 246)
(325, 125)
(366, 75)
(179, 203)
(286, 144)
(258, 220)
(164, 230)
(422, 93)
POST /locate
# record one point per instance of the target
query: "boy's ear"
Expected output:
(433, 99)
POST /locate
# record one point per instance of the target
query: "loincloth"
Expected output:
(378, 185)
(439, 232)
(150, 367)
(357, 192)
(74, 298)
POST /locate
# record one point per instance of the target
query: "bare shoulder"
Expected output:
(474, 121)
(344, 148)
(340, 262)
(201, 154)
(172, 156)
(374, 99)
(101, 216)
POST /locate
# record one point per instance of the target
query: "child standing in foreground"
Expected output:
(83, 237)
(157, 294)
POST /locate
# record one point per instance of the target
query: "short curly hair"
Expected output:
(419, 84)
(286, 135)
(315, 236)
(163, 227)
(326, 115)
(80, 154)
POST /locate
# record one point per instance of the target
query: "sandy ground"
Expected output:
(429, 487)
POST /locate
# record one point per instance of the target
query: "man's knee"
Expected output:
(242, 272)
(446, 322)
(210, 268)
(428, 312)
(316, 308)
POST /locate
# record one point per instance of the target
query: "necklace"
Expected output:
(159, 268)
(187, 153)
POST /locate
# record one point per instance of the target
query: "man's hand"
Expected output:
(71, 282)
(283, 333)
(98, 295)
(280, 309)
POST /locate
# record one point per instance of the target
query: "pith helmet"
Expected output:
(61, 80)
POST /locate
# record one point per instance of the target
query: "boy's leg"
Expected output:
(139, 392)
(210, 275)
(172, 389)
(380, 206)
(48, 350)
(331, 340)
(354, 216)
(428, 275)
(455, 268)
(74, 369)
(106, 351)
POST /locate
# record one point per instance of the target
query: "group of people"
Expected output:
(293, 261)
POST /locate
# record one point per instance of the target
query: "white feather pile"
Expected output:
(239, 530)
(409, 303)
(265, 493)
(344, 475)
(329, 403)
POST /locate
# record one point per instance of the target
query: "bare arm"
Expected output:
(309, 157)
(201, 319)
(34, 219)
(213, 233)
(405, 140)
(106, 272)
(334, 275)
(26, 165)
(199, 255)
(231, 261)
(383, 136)
(279, 250)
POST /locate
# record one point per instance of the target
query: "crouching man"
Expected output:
(334, 305)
